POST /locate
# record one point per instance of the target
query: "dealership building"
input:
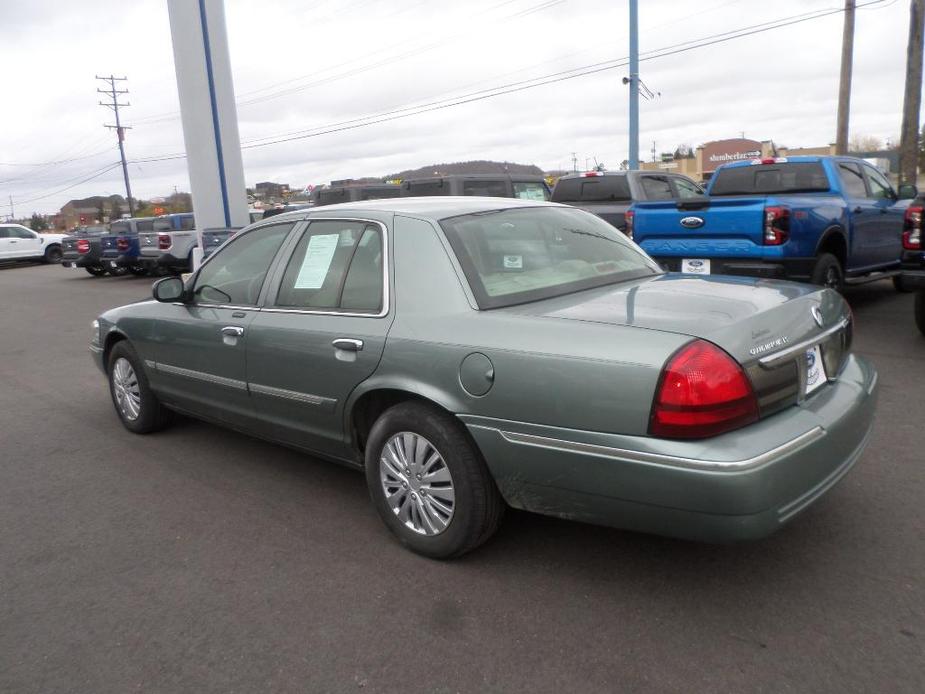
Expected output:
(711, 155)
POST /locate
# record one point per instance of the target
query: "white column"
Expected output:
(210, 119)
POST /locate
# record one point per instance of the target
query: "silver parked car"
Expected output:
(469, 353)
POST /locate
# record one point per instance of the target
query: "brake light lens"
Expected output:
(83, 246)
(702, 392)
(163, 241)
(629, 219)
(122, 244)
(776, 225)
(589, 174)
(912, 228)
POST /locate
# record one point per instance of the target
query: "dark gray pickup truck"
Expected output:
(609, 194)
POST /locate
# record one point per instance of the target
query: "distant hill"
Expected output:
(469, 167)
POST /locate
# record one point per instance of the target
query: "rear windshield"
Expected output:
(592, 189)
(519, 255)
(530, 190)
(763, 179)
(120, 227)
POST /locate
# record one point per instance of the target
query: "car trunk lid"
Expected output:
(768, 327)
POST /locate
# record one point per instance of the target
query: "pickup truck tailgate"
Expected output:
(726, 226)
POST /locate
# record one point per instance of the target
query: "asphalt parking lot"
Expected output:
(200, 560)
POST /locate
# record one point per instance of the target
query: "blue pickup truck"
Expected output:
(827, 220)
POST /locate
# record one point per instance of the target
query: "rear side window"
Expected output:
(491, 189)
(656, 188)
(592, 189)
(530, 190)
(379, 193)
(336, 264)
(851, 179)
(764, 179)
(420, 188)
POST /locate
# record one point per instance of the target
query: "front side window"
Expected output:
(4, 232)
(235, 274)
(656, 188)
(515, 256)
(335, 265)
(531, 190)
(491, 189)
(880, 188)
(852, 180)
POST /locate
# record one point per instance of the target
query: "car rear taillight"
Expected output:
(776, 225)
(702, 392)
(163, 241)
(589, 174)
(912, 228)
(83, 246)
(122, 244)
(628, 218)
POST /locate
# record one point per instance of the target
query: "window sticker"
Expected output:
(513, 262)
(531, 193)
(317, 261)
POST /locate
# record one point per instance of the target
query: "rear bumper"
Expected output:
(778, 268)
(738, 486)
(71, 260)
(171, 261)
(913, 269)
(122, 259)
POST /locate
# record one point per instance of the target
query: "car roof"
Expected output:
(476, 176)
(798, 159)
(595, 174)
(431, 207)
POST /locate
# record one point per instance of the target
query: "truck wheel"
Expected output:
(96, 270)
(828, 272)
(899, 285)
(118, 271)
(429, 482)
(52, 255)
(920, 311)
(138, 270)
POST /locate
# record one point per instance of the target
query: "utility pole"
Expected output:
(114, 104)
(634, 85)
(12, 211)
(844, 85)
(574, 162)
(912, 102)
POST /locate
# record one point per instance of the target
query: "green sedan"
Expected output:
(475, 353)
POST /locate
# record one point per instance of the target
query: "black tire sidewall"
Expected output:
(53, 255)
(95, 270)
(150, 417)
(470, 477)
(825, 261)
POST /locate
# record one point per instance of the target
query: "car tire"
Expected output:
(920, 311)
(476, 505)
(138, 270)
(137, 406)
(828, 272)
(95, 270)
(899, 285)
(52, 255)
(117, 271)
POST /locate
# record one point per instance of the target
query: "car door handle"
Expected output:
(348, 344)
(858, 210)
(233, 331)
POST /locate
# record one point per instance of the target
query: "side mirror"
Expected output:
(907, 191)
(168, 290)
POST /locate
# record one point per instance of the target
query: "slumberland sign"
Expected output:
(724, 151)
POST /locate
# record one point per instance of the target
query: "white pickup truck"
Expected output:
(20, 243)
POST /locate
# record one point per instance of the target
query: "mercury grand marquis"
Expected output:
(475, 353)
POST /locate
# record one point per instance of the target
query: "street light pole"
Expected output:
(634, 85)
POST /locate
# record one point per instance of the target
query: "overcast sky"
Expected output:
(301, 64)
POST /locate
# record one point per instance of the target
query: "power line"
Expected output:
(534, 82)
(96, 174)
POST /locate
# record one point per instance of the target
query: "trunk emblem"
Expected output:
(817, 316)
(691, 222)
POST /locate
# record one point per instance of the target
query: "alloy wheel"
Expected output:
(417, 483)
(125, 389)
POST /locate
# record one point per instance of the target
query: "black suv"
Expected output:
(609, 194)
(522, 186)
(354, 192)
